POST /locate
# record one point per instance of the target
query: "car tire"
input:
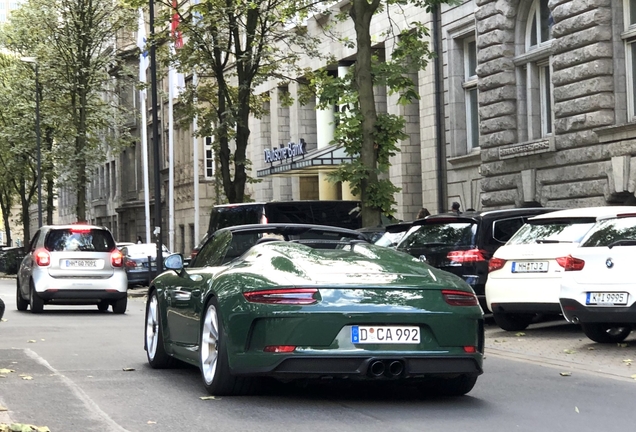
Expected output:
(156, 353)
(213, 358)
(1, 308)
(102, 306)
(606, 332)
(20, 302)
(119, 306)
(452, 387)
(512, 322)
(35, 301)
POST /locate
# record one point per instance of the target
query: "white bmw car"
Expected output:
(525, 274)
(598, 289)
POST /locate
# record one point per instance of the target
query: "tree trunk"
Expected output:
(5, 205)
(49, 175)
(361, 14)
(80, 209)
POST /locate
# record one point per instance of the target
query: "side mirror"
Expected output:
(173, 262)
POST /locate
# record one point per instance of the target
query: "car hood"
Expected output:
(363, 264)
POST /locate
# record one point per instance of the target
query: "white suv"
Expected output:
(72, 264)
(524, 276)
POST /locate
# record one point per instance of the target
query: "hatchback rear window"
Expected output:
(91, 240)
(611, 231)
(569, 230)
(440, 234)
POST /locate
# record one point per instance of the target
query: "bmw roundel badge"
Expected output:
(423, 258)
(609, 263)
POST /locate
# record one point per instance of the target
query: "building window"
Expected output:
(535, 74)
(629, 37)
(470, 93)
(209, 158)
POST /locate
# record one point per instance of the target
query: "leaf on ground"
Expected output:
(633, 376)
(43, 429)
(32, 341)
(499, 341)
(42, 340)
(152, 422)
(209, 398)
(27, 377)
(623, 345)
(3, 376)
(576, 409)
(628, 361)
(569, 351)
(128, 369)
(89, 376)
(565, 373)
(6, 371)
(520, 334)
(3, 408)
(4, 320)
(591, 348)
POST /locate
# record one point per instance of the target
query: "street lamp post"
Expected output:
(37, 133)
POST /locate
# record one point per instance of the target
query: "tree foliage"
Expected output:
(74, 46)
(234, 46)
(374, 137)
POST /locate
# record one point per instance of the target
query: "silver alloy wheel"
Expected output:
(209, 344)
(152, 327)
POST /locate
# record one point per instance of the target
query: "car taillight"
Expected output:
(279, 348)
(131, 264)
(569, 263)
(42, 258)
(466, 256)
(495, 264)
(292, 296)
(460, 298)
(116, 258)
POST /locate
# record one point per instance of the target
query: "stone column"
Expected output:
(325, 128)
(280, 136)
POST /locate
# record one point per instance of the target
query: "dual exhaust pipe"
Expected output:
(387, 368)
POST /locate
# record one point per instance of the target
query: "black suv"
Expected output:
(464, 243)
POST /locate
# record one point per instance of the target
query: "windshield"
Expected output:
(552, 231)
(145, 249)
(439, 234)
(609, 231)
(389, 239)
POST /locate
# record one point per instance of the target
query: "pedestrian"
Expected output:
(139, 240)
(455, 208)
(422, 213)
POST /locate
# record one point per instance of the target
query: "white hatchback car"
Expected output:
(72, 264)
(598, 289)
(524, 276)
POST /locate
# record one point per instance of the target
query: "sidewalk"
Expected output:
(560, 344)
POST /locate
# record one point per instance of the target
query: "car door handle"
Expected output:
(182, 295)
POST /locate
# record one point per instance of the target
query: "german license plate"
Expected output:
(530, 267)
(385, 335)
(606, 298)
(80, 263)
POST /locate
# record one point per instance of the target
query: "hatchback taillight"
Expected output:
(569, 263)
(466, 256)
(495, 264)
(116, 259)
(42, 258)
(292, 296)
(460, 298)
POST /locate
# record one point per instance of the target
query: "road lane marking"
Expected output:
(80, 394)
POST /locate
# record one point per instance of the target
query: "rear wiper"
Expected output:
(542, 241)
(623, 242)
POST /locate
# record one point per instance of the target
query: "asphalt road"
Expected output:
(76, 358)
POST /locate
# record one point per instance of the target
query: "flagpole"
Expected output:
(144, 120)
(195, 166)
(155, 140)
(171, 95)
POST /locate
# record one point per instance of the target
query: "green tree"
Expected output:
(74, 47)
(234, 46)
(370, 136)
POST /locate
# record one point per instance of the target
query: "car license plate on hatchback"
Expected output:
(606, 298)
(385, 335)
(530, 267)
(77, 263)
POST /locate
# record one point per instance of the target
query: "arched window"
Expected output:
(535, 104)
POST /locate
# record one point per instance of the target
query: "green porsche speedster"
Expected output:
(295, 301)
